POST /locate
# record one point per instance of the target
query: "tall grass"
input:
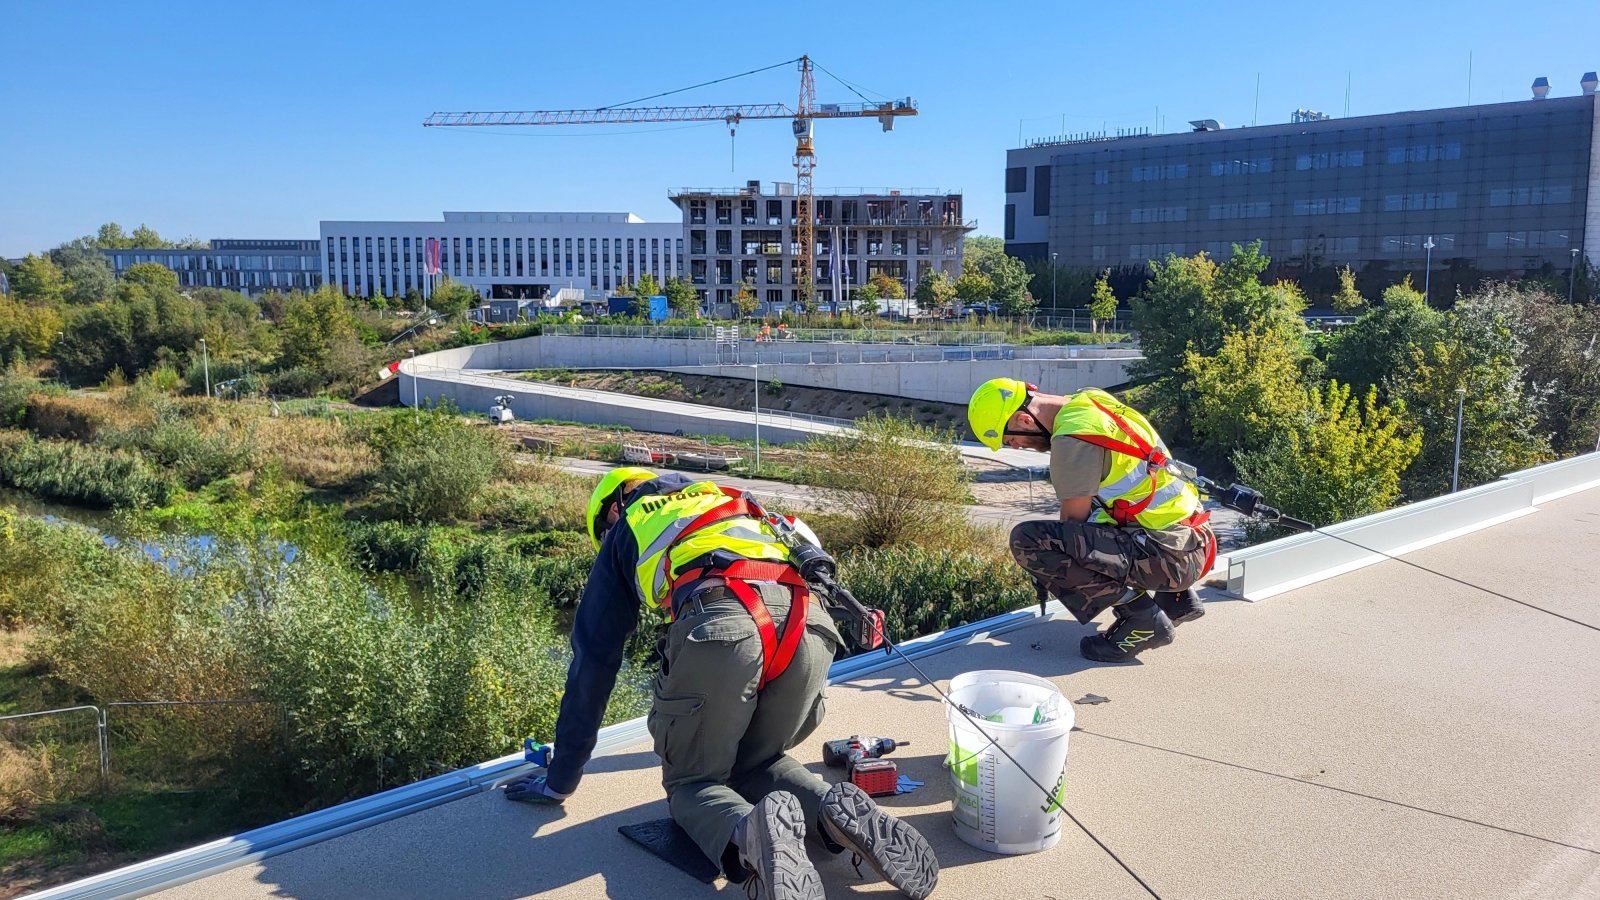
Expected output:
(82, 475)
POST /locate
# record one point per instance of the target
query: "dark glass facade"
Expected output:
(1502, 187)
(247, 266)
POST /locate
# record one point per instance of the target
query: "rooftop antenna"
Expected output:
(1469, 77)
(1347, 94)
(1255, 113)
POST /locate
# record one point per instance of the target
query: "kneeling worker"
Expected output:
(1127, 518)
(744, 662)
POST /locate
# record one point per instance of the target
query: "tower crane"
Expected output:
(802, 116)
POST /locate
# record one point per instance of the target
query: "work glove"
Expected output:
(533, 789)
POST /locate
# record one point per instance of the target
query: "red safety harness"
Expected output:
(1121, 511)
(777, 651)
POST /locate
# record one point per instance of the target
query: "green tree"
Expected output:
(1478, 353)
(1382, 342)
(974, 287)
(888, 287)
(27, 329)
(151, 275)
(1247, 391)
(935, 290)
(745, 299)
(145, 238)
(89, 276)
(313, 326)
(867, 300)
(413, 300)
(380, 303)
(1560, 359)
(452, 298)
(647, 286)
(1103, 303)
(1339, 460)
(1347, 299)
(1189, 305)
(1008, 276)
(142, 326)
(682, 298)
(39, 280)
(112, 237)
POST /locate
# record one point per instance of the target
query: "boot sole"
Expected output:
(781, 863)
(891, 847)
(1188, 617)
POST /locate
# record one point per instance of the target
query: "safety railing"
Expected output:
(105, 729)
(944, 337)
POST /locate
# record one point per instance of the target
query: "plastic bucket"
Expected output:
(995, 806)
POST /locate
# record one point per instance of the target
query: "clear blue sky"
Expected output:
(234, 120)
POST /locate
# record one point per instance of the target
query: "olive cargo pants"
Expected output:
(1089, 566)
(722, 744)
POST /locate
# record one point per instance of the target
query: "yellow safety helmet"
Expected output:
(602, 492)
(992, 406)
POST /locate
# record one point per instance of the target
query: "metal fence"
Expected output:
(182, 742)
(947, 337)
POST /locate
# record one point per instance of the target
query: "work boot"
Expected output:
(771, 843)
(1140, 625)
(892, 848)
(1181, 606)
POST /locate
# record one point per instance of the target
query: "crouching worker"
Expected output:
(744, 659)
(1130, 527)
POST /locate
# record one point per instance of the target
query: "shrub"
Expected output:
(433, 466)
(89, 476)
(896, 480)
(299, 381)
(178, 446)
(80, 418)
(922, 591)
(14, 393)
(194, 380)
(323, 452)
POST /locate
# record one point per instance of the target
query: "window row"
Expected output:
(1518, 240)
(1258, 210)
(1530, 196)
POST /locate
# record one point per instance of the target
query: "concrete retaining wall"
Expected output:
(945, 382)
(939, 374)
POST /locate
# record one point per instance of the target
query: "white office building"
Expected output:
(502, 255)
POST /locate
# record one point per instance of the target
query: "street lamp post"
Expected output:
(1427, 276)
(205, 360)
(1455, 467)
(1572, 275)
(1053, 308)
(416, 416)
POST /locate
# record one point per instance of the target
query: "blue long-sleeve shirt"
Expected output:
(607, 615)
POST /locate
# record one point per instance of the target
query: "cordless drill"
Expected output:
(860, 757)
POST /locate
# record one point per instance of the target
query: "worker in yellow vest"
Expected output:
(1130, 526)
(744, 650)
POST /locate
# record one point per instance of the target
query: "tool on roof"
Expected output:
(860, 758)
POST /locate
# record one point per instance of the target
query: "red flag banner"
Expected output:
(432, 265)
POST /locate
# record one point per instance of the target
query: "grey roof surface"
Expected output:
(1386, 733)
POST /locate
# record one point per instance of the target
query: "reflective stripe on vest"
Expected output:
(1139, 489)
(665, 528)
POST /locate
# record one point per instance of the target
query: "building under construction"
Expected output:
(748, 236)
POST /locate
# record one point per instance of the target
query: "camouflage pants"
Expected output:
(1088, 567)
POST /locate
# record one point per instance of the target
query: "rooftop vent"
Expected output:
(1541, 87)
(1207, 125)
(1589, 82)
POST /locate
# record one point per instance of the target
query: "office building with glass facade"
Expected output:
(1503, 188)
(502, 255)
(250, 267)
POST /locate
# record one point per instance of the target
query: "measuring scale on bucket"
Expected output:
(995, 805)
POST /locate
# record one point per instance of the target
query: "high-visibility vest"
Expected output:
(1139, 489)
(688, 524)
